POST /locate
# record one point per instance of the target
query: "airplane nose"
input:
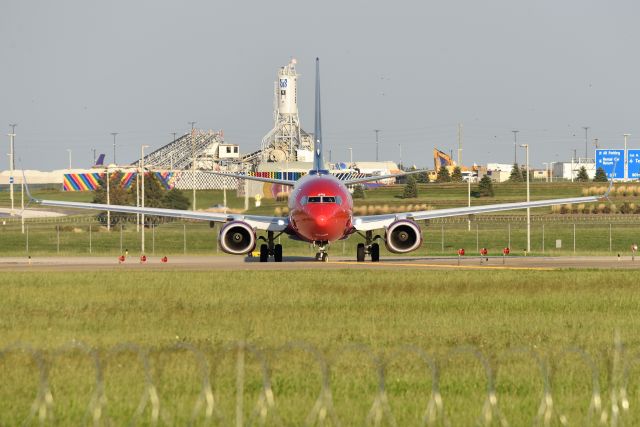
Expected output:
(321, 220)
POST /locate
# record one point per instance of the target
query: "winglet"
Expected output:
(606, 195)
(26, 187)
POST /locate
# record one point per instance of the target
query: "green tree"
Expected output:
(583, 176)
(485, 187)
(175, 199)
(524, 172)
(516, 174)
(443, 175)
(358, 192)
(456, 176)
(422, 178)
(118, 195)
(410, 188)
(601, 176)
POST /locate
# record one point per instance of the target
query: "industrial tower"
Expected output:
(286, 142)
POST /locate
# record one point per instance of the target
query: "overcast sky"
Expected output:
(74, 71)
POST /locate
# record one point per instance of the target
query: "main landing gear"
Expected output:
(368, 248)
(270, 248)
(322, 254)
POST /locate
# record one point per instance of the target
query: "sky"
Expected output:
(73, 71)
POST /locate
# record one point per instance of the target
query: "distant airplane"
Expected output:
(100, 161)
(320, 212)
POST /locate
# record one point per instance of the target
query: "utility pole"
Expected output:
(377, 144)
(350, 157)
(12, 164)
(142, 201)
(586, 142)
(69, 151)
(526, 147)
(401, 165)
(626, 160)
(94, 155)
(193, 164)
(114, 147)
(515, 146)
(460, 144)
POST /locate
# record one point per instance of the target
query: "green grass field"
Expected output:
(497, 312)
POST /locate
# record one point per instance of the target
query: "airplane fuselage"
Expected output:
(320, 208)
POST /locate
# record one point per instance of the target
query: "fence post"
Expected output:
(574, 238)
(610, 246)
(442, 237)
(509, 231)
(153, 238)
(27, 240)
(120, 237)
(90, 245)
(477, 239)
(57, 239)
(184, 238)
(543, 237)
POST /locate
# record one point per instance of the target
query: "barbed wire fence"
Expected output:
(206, 409)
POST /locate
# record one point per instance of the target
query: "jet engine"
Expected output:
(237, 238)
(403, 236)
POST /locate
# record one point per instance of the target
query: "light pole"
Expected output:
(626, 163)
(94, 155)
(586, 142)
(12, 135)
(193, 164)
(377, 144)
(69, 151)
(350, 157)
(526, 147)
(114, 147)
(400, 147)
(515, 146)
(546, 170)
(142, 201)
(108, 199)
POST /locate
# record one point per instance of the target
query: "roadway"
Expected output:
(200, 263)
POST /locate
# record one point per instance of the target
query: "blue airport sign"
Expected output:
(608, 159)
(633, 164)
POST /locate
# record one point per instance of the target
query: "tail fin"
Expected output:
(318, 162)
(100, 161)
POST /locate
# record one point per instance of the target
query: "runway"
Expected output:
(205, 263)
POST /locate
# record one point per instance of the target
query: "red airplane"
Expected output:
(320, 212)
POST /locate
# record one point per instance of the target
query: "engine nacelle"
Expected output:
(237, 238)
(403, 236)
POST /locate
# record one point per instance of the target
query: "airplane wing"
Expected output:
(375, 222)
(259, 222)
(253, 178)
(378, 177)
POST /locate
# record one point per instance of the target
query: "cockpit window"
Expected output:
(320, 199)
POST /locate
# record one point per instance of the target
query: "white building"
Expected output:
(569, 170)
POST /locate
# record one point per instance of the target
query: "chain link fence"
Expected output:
(187, 384)
(559, 235)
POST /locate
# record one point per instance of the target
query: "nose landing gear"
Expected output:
(368, 248)
(322, 254)
(270, 248)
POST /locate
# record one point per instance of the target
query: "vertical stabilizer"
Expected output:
(318, 162)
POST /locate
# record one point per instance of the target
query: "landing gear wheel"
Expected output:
(318, 256)
(264, 253)
(375, 252)
(360, 252)
(277, 253)
(325, 257)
